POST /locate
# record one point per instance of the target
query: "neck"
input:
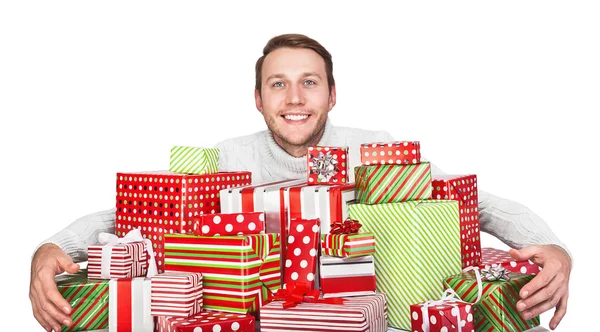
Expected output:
(299, 150)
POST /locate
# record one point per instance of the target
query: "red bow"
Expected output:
(298, 292)
(348, 226)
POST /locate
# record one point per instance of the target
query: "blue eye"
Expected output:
(278, 86)
(309, 81)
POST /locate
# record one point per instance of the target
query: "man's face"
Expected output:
(295, 96)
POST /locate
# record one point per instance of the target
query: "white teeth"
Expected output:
(296, 117)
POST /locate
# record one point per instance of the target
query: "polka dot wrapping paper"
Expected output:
(207, 321)
(342, 277)
(463, 188)
(497, 308)
(88, 299)
(392, 153)
(163, 202)
(392, 183)
(494, 257)
(301, 257)
(327, 165)
(129, 305)
(127, 260)
(444, 317)
(357, 314)
(418, 245)
(239, 272)
(192, 160)
(218, 224)
(177, 294)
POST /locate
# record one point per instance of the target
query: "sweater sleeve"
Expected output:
(222, 157)
(75, 238)
(514, 224)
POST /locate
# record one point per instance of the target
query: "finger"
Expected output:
(37, 314)
(538, 282)
(66, 264)
(559, 313)
(54, 324)
(54, 296)
(524, 253)
(543, 294)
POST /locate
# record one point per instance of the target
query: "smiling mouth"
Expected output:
(296, 117)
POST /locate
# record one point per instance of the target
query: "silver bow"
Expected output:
(324, 165)
(495, 273)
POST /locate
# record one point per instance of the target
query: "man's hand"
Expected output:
(550, 288)
(49, 307)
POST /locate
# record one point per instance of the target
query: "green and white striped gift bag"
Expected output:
(191, 160)
(418, 246)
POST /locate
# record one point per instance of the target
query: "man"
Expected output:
(295, 90)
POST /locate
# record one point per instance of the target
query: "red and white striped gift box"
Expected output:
(129, 305)
(177, 294)
(126, 260)
(342, 277)
(357, 314)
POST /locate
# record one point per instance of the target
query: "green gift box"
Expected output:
(88, 299)
(191, 160)
(378, 184)
(497, 308)
(418, 247)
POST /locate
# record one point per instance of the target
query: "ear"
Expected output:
(258, 100)
(332, 97)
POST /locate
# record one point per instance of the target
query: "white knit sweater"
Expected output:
(511, 222)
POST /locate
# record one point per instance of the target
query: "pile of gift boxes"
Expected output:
(196, 249)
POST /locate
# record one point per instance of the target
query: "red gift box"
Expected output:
(126, 260)
(165, 202)
(327, 165)
(463, 188)
(393, 153)
(217, 224)
(341, 277)
(493, 257)
(207, 321)
(438, 316)
(176, 294)
(301, 259)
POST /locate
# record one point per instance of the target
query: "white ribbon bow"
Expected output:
(450, 297)
(109, 240)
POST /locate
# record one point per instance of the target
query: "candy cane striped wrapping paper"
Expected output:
(126, 260)
(362, 313)
(177, 294)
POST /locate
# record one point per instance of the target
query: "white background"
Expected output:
(505, 90)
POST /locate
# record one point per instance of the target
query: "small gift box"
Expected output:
(378, 184)
(88, 299)
(209, 321)
(192, 160)
(243, 223)
(327, 165)
(345, 241)
(446, 315)
(177, 294)
(121, 257)
(129, 305)
(342, 277)
(392, 153)
(493, 257)
(303, 243)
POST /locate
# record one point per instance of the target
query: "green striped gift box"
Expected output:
(348, 245)
(88, 299)
(497, 309)
(191, 160)
(418, 246)
(239, 272)
(378, 184)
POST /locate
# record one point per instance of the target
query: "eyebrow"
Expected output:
(306, 74)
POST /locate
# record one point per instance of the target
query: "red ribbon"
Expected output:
(298, 292)
(348, 226)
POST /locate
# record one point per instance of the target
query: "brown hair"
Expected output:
(294, 41)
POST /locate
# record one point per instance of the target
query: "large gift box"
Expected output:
(209, 321)
(418, 246)
(241, 223)
(239, 272)
(363, 313)
(342, 277)
(497, 308)
(160, 203)
(88, 299)
(193, 160)
(129, 305)
(437, 316)
(392, 153)
(378, 184)
(494, 257)
(327, 165)
(176, 294)
(463, 188)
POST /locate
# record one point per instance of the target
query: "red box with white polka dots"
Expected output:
(165, 202)
(327, 165)
(442, 316)
(207, 321)
(492, 256)
(463, 188)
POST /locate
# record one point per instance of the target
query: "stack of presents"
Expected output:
(196, 249)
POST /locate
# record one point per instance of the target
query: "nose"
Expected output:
(294, 96)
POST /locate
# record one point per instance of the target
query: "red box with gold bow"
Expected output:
(327, 165)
